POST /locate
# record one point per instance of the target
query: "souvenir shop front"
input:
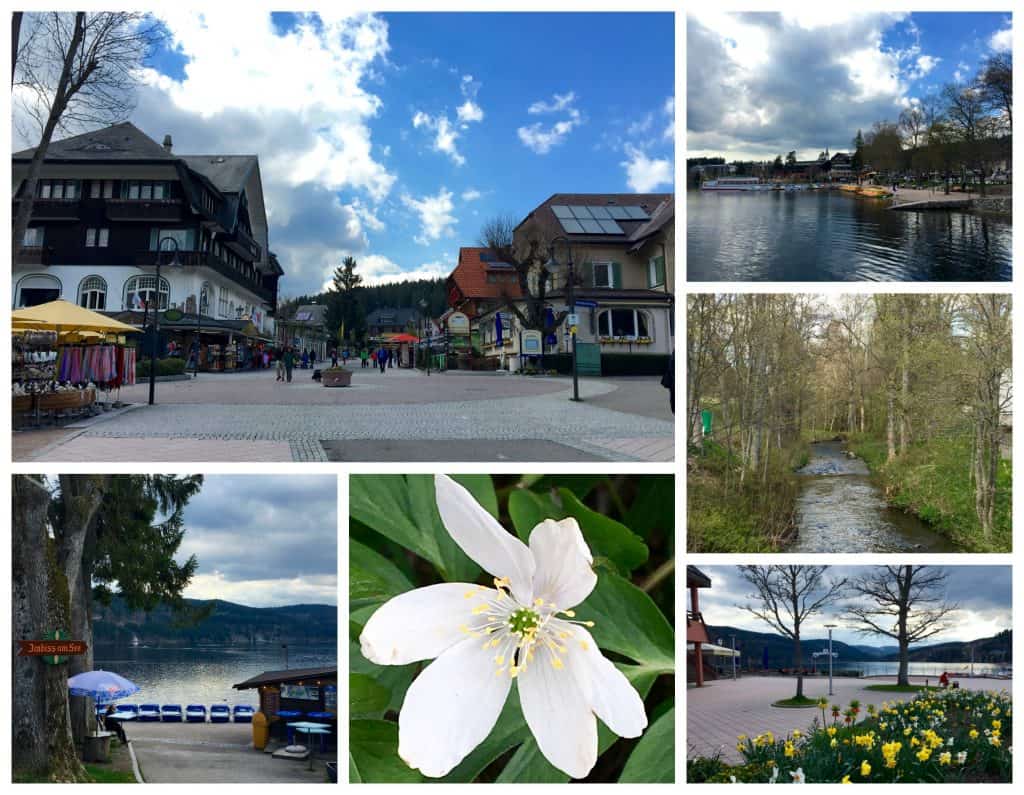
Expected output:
(67, 361)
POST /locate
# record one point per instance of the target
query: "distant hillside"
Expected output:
(752, 646)
(227, 623)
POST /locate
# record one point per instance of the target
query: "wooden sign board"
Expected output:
(53, 651)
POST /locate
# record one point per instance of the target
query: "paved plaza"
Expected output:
(723, 709)
(393, 416)
(214, 753)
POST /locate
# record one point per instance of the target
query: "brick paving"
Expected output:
(250, 417)
(723, 709)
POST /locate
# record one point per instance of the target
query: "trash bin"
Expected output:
(96, 747)
(260, 731)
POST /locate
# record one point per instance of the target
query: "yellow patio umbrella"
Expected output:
(63, 316)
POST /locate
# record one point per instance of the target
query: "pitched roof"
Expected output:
(544, 214)
(288, 675)
(310, 314)
(122, 141)
(227, 172)
(392, 316)
(470, 274)
(659, 219)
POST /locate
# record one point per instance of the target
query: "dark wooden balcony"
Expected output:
(196, 259)
(164, 210)
(243, 243)
(53, 209)
(37, 255)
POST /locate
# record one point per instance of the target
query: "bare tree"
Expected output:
(913, 125)
(996, 81)
(788, 597)
(905, 603)
(75, 70)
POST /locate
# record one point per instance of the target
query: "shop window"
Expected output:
(142, 290)
(623, 323)
(38, 288)
(92, 293)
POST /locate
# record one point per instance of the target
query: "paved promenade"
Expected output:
(723, 709)
(251, 417)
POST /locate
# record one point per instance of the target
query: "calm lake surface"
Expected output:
(840, 509)
(891, 668)
(203, 674)
(829, 236)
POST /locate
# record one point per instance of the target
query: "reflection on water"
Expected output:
(204, 674)
(840, 510)
(891, 668)
(829, 236)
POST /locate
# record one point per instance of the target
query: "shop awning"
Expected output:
(710, 649)
(63, 316)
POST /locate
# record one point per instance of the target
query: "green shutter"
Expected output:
(588, 274)
(658, 278)
(617, 275)
(661, 270)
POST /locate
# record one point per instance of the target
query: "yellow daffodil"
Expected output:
(865, 769)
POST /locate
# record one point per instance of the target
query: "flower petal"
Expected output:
(557, 712)
(610, 695)
(480, 536)
(451, 708)
(563, 575)
(419, 624)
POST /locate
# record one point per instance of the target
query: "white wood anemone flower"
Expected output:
(522, 629)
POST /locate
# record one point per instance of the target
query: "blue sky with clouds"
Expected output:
(762, 84)
(394, 137)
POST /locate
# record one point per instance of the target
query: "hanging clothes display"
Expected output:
(107, 366)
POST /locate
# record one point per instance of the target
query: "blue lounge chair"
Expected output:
(149, 713)
(170, 713)
(195, 713)
(220, 713)
(243, 714)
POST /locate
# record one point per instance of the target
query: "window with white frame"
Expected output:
(58, 189)
(603, 274)
(630, 323)
(97, 238)
(656, 272)
(145, 191)
(204, 298)
(185, 238)
(142, 290)
(222, 302)
(33, 237)
(101, 188)
(92, 293)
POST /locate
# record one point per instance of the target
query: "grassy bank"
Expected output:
(933, 481)
(754, 517)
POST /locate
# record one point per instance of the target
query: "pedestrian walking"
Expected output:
(312, 358)
(391, 358)
(266, 359)
(364, 355)
(334, 357)
(280, 365)
(288, 357)
(382, 358)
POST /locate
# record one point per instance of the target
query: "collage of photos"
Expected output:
(849, 440)
(367, 318)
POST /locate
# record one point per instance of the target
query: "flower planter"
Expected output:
(336, 377)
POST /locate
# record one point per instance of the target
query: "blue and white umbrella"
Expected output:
(101, 686)
(498, 328)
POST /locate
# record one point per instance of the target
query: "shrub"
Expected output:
(169, 366)
(634, 363)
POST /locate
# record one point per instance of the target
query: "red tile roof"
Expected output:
(470, 276)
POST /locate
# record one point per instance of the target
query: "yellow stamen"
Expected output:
(479, 609)
(499, 660)
(584, 645)
(538, 602)
(556, 663)
(570, 613)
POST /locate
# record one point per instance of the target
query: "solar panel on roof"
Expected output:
(600, 212)
(561, 211)
(571, 226)
(618, 212)
(580, 211)
(637, 213)
(610, 227)
(592, 226)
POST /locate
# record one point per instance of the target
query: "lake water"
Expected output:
(203, 674)
(840, 509)
(830, 236)
(892, 667)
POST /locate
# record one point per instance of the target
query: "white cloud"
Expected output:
(1002, 40)
(669, 109)
(469, 111)
(644, 174)
(558, 103)
(307, 589)
(924, 64)
(445, 134)
(471, 194)
(435, 215)
(540, 138)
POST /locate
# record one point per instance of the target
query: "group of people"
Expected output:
(380, 358)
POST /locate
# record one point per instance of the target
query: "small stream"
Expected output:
(840, 510)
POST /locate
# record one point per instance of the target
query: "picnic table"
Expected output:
(122, 716)
(310, 728)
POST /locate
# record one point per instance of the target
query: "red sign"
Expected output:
(43, 648)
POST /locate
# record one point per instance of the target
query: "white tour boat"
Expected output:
(733, 183)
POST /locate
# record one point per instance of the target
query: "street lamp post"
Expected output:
(830, 627)
(733, 657)
(551, 264)
(156, 313)
(423, 320)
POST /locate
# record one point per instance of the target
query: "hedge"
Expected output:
(170, 366)
(612, 363)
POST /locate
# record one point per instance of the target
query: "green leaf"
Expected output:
(403, 508)
(394, 678)
(366, 696)
(528, 765)
(372, 577)
(628, 622)
(373, 750)
(653, 761)
(654, 507)
(482, 489)
(528, 509)
(606, 537)
(580, 485)
(353, 771)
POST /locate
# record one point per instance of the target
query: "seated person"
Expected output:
(944, 680)
(114, 725)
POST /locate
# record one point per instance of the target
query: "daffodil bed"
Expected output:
(955, 735)
(514, 629)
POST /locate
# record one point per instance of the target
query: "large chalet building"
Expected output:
(623, 253)
(104, 203)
